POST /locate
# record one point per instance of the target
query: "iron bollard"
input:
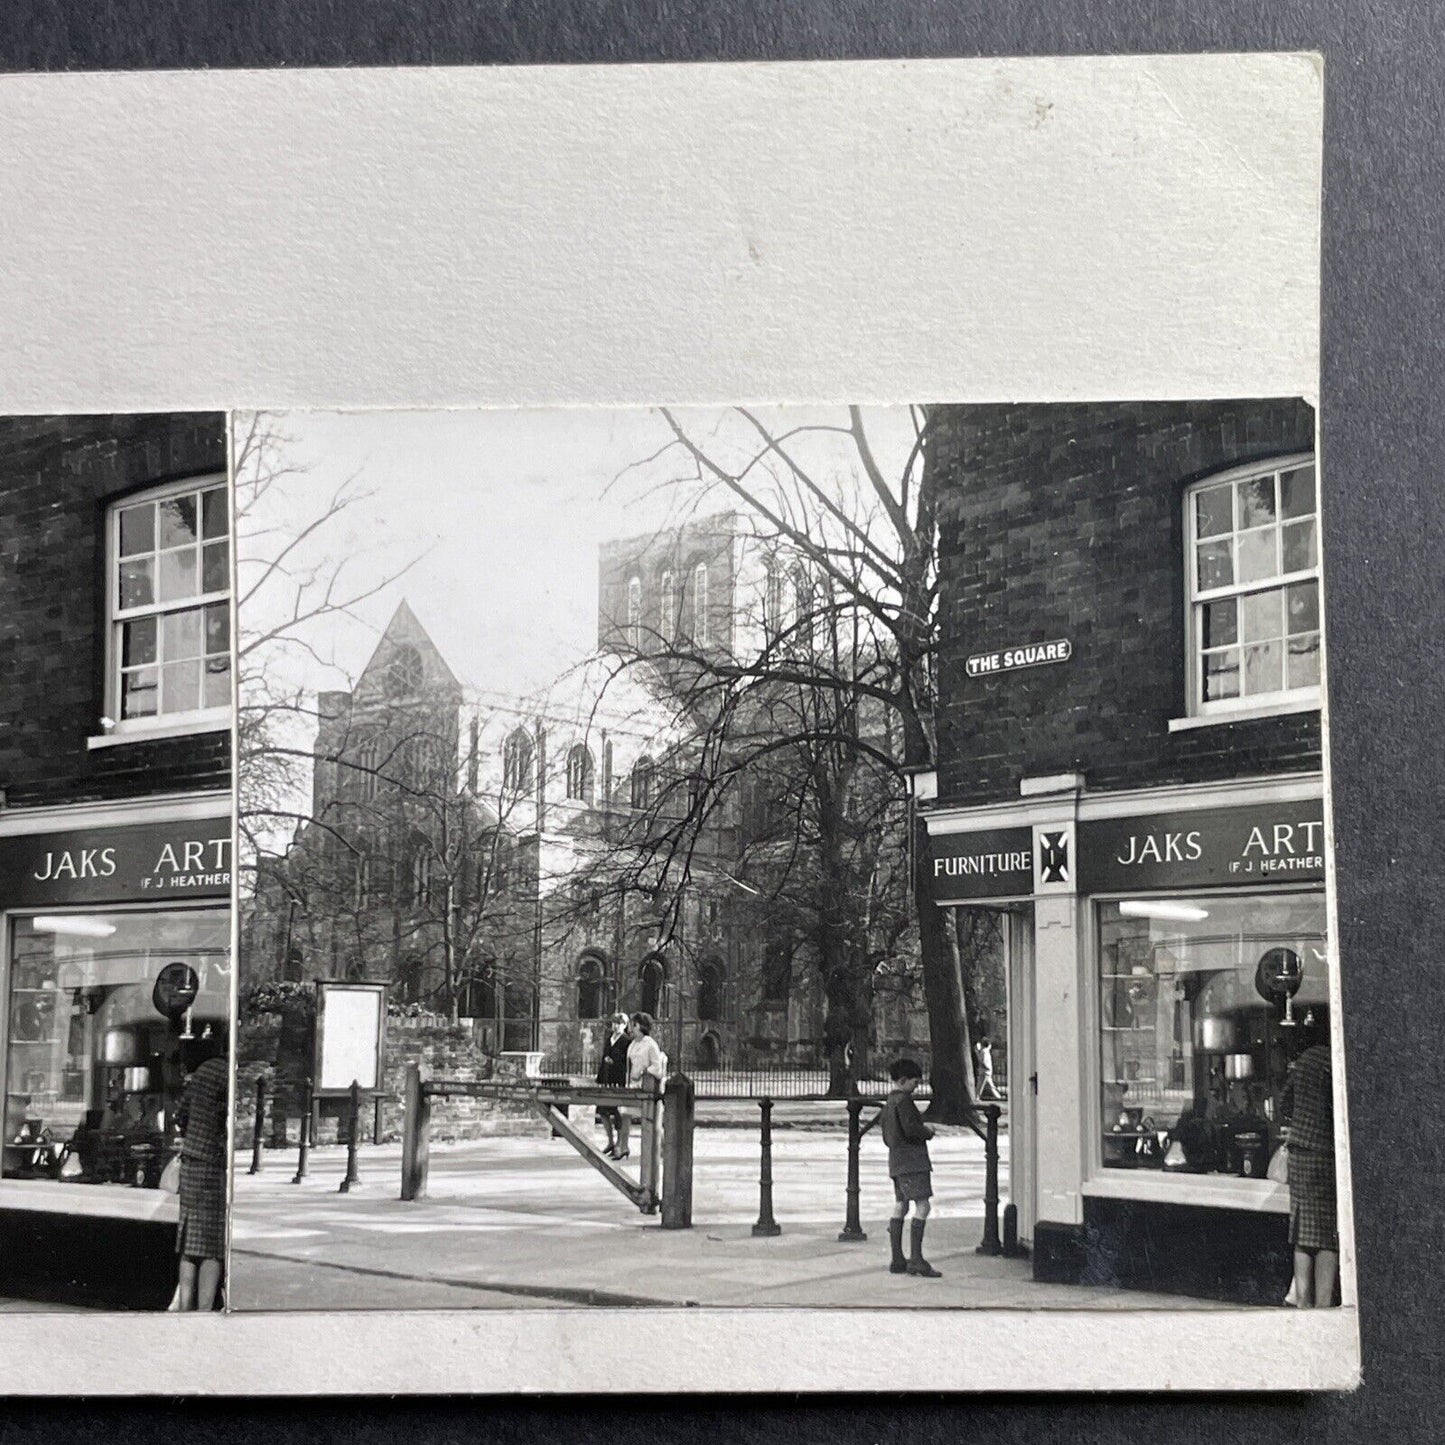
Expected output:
(766, 1224)
(1012, 1249)
(852, 1232)
(305, 1133)
(258, 1127)
(353, 1129)
(990, 1243)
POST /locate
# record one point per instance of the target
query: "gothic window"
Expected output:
(699, 604)
(777, 971)
(634, 613)
(652, 976)
(517, 762)
(591, 987)
(710, 992)
(404, 672)
(643, 779)
(666, 607)
(580, 768)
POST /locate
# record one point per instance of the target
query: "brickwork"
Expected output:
(57, 476)
(1066, 521)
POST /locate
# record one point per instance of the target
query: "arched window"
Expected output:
(634, 613)
(652, 976)
(710, 992)
(699, 604)
(773, 597)
(643, 778)
(517, 762)
(368, 764)
(1252, 561)
(666, 606)
(580, 768)
(421, 877)
(404, 672)
(591, 989)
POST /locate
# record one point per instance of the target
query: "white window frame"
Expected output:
(192, 720)
(667, 606)
(1285, 700)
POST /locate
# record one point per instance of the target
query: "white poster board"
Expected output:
(350, 1021)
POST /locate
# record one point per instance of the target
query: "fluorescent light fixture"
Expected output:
(76, 924)
(1162, 908)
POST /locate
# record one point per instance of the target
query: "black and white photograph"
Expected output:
(842, 857)
(115, 860)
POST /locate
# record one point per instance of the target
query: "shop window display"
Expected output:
(101, 1010)
(1203, 1002)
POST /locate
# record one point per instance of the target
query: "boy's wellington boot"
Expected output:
(899, 1264)
(917, 1264)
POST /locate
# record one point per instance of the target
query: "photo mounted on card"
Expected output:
(766, 689)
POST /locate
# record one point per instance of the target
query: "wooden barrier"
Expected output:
(673, 1190)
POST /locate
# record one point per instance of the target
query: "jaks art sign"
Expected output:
(165, 861)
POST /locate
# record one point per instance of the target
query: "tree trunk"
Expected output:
(951, 1077)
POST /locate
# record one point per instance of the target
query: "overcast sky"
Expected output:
(494, 520)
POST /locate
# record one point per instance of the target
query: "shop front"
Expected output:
(115, 980)
(1169, 955)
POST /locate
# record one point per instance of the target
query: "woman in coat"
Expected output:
(201, 1231)
(644, 1059)
(1308, 1106)
(612, 1073)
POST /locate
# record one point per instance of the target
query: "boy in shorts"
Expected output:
(907, 1136)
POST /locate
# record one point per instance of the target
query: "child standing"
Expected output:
(907, 1136)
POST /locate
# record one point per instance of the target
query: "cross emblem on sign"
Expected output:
(1054, 857)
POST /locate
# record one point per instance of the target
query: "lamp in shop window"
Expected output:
(175, 991)
(1278, 977)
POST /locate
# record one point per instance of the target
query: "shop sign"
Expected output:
(963, 867)
(1010, 659)
(1262, 843)
(164, 861)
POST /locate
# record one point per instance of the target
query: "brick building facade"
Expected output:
(1130, 769)
(115, 830)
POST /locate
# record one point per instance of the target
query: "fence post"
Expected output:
(376, 1118)
(259, 1125)
(679, 1112)
(766, 1224)
(305, 1133)
(990, 1243)
(852, 1231)
(415, 1129)
(353, 1132)
(650, 1143)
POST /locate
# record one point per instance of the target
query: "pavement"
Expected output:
(523, 1222)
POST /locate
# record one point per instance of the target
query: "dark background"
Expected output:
(1385, 520)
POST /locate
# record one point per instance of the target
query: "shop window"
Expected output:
(96, 1054)
(1204, 1002)
(169, 603)
(517, 762)
(580, 769)
(1254, 590)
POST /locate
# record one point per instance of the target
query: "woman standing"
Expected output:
(201, 1232)
(1308, 1107)
(612, 1073)
(644, 1058)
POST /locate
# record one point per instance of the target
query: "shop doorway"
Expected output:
(1023, 1075)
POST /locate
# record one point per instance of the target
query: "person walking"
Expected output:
(612, 1073)
(201, 1229)
(644, 1059)
(907, 1136)
(1307, 1106)
(983, 1054)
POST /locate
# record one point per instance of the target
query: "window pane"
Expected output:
(1298, 540)
(215, 518)
(1256, 502)
(137, 529)
(177, 520)
(1263, 668)
(1297, 492)
(178, 575)
(137, 583)
(1216, 565)
(1214, 511)
(180, 687)
(1304, 661)
(138, 693)
(218, 682)
(181, 635)
(1303, 607)
(218, 628)
(1258, 555)
(1259, 616)
(1221, 623)
(138, 642)
(215, 568)
(1221, 674)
